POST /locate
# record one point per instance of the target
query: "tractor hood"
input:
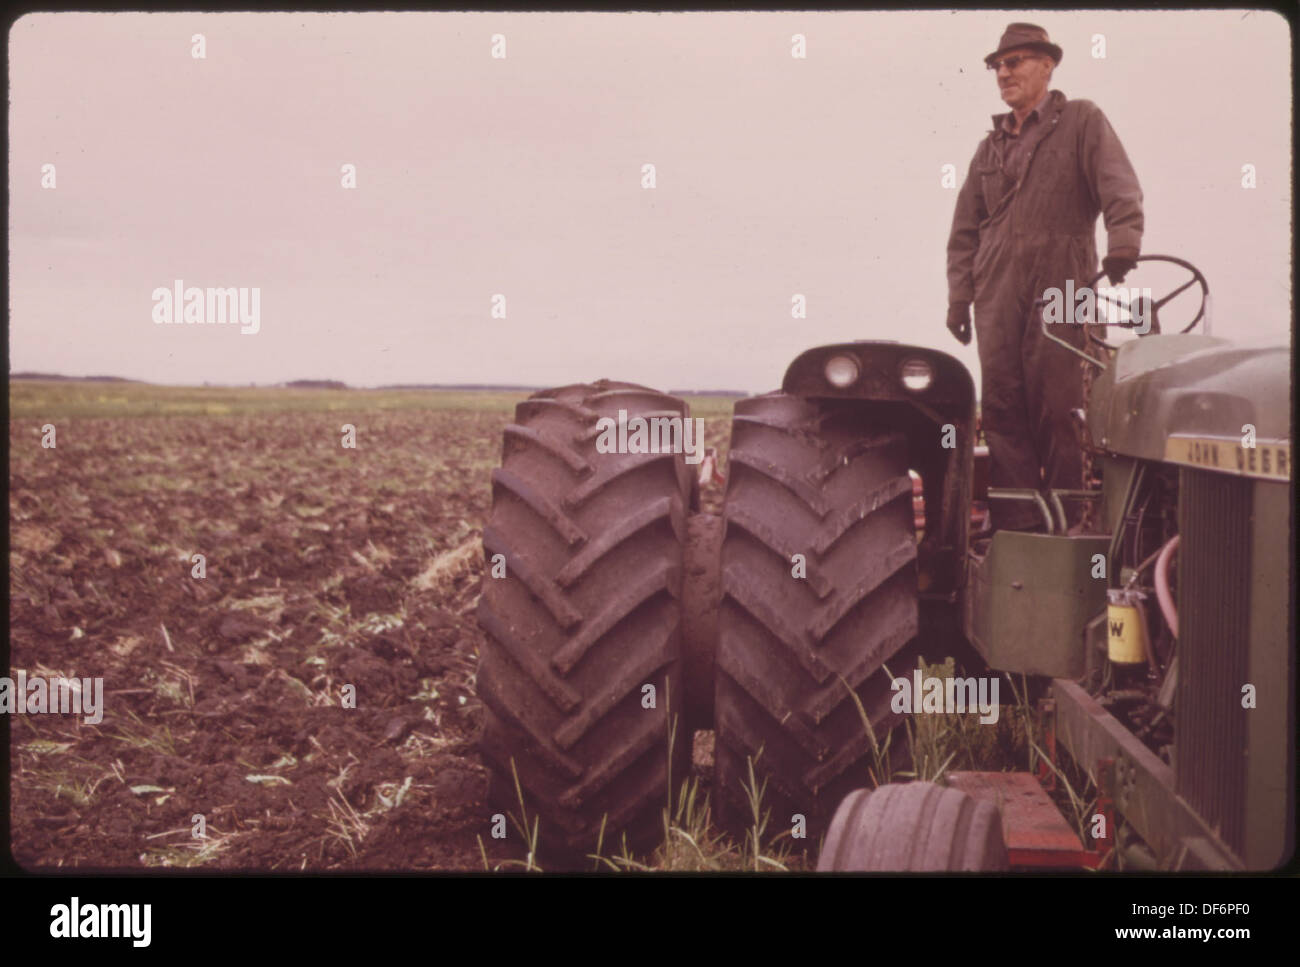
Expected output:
(1192, 399)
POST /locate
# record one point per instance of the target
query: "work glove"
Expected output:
(1116, 267)
(959, 321)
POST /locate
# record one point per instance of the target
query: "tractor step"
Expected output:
(1035, 832)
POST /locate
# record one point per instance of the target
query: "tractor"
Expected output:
(620, 618)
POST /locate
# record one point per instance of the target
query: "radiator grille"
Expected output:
(1214, 558)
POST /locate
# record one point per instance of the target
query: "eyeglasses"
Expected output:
(1012, 62)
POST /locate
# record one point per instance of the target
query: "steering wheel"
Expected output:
(1196, 279)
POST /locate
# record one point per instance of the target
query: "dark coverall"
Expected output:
(1025, 221)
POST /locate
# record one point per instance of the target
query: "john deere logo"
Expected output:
(1269, 459)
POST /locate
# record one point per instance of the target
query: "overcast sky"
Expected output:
(522, 176)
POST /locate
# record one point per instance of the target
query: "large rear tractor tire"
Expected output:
(914, 827)
(586, 616)
(818, 593)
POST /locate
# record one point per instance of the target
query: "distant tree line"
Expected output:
(78, 379)
(340, 384)
(315, 384)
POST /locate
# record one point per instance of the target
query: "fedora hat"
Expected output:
(1025, 35)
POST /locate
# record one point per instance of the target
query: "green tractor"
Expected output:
(620, 618)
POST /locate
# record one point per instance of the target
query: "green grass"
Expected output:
(59, 399)
(49, 400)
(711, 407)
(936, 745)
(690, 840)
(1073, 784)
(144, 735)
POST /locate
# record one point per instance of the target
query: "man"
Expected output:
(1025, 222)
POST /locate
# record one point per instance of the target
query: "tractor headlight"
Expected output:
(916, 374)
(841, 371)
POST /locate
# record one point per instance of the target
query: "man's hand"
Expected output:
(959, 321)
(1116, 267)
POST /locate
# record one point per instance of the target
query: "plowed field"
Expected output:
(224, 695)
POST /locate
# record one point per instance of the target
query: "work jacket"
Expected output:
(1041, 230)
